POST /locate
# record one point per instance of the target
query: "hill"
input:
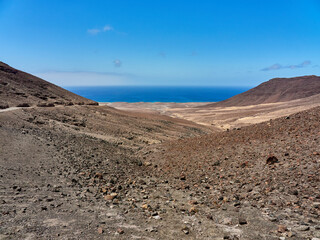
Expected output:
(275, 90)
(18, 88)
(272, 167)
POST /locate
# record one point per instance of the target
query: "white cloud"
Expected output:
(107, 28)
(95, 31)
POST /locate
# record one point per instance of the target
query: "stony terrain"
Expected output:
(272, 167)
(83, 172)
(94, 172)
(60, 165)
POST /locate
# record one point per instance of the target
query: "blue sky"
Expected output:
(176, 42)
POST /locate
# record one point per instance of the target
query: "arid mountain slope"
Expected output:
(275, 90)
(20, 88)
(272, 166)
(60, 166)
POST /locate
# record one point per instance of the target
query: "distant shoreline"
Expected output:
(106, 103)
(156, 94)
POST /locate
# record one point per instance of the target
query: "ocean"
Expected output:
(157, 94)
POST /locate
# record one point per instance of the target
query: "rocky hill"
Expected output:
(272, 167)
(275, 90)
(18, 88)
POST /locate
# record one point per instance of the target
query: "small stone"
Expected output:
(209, 217)
(185, 230)
(100, 230)
(242, 221)
(120, 231)
(98, 175)
(272, 160)
(290, 234)
(303, 228)
(151, 229)
(294, 192)
(44, 208)
(193, 202)
(316, 204)
(147, 164)
(157, 217)
(193, 210)
(227, 221)
(236, 203)
(146, 207)
(110, 197)
(282, 228)
(273, 219)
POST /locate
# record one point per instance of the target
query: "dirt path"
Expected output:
(9, 109)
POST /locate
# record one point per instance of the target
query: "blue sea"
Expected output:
(157, 94)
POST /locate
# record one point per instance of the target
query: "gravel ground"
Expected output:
(89, 172)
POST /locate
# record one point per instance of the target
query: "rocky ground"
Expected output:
(90, 172)
(271, 168)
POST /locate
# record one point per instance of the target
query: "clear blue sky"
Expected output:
(161, 42)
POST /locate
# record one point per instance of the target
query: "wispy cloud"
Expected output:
(278, 66)
(95, 31)
(117, 63)
(107, 28)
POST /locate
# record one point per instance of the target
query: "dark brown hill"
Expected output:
(272, 165)
(275, 90)
(18, 88)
